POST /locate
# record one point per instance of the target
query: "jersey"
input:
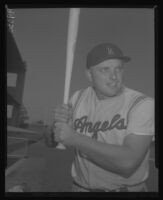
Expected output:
(110, 121)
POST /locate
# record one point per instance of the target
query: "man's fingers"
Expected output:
(56, 136)
(63, 108)
(61, 111)
(57, 131)
(61, 114)
(62, 118)
(58, 124)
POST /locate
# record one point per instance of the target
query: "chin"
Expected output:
(110, 93)
(105, 95)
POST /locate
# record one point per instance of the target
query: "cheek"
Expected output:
(97, 79)
(120, 76)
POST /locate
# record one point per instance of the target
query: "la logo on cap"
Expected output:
(110, 51)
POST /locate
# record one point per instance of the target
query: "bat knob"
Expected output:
(61, 146)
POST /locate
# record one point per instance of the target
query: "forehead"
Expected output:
(110, 63)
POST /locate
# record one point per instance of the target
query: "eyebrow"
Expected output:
(104, 67)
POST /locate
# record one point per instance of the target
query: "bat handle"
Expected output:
(61, 146)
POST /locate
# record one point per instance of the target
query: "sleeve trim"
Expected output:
(147, 134)
(141, 133)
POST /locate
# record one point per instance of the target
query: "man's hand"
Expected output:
(64, 133)
(62, 126)
(63, 113)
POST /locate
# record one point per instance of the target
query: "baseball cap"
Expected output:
(104, 52)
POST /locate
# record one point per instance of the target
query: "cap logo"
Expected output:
(110, 51)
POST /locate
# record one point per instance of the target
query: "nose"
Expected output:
(113, 76)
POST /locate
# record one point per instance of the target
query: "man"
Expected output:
(109, 126)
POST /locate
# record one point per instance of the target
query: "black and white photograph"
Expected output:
(81, 100)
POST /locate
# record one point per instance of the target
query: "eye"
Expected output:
(104, 69)
(118, 69)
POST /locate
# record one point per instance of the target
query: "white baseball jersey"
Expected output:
(110, 121)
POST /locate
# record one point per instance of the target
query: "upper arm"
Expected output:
(141, 118)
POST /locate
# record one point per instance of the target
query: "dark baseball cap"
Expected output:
(104, 51)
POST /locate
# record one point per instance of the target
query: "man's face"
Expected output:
(106, 78)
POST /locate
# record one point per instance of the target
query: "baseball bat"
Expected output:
(71, 43)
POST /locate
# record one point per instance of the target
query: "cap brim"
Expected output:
(124, 58)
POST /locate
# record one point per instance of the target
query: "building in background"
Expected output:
(16, 69)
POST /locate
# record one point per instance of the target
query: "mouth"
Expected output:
(113, 84)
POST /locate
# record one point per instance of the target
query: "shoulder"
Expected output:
(77, 94)
(142, 109)
(145, 106)
(133, 93)
(139, 105)
(136, 98)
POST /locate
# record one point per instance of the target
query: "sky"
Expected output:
(41, 37)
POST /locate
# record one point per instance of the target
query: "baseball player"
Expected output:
(110, 127)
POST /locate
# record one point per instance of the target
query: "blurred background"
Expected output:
(41, 38)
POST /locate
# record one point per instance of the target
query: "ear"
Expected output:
(88, 75)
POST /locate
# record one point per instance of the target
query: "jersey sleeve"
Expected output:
(141, 118)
